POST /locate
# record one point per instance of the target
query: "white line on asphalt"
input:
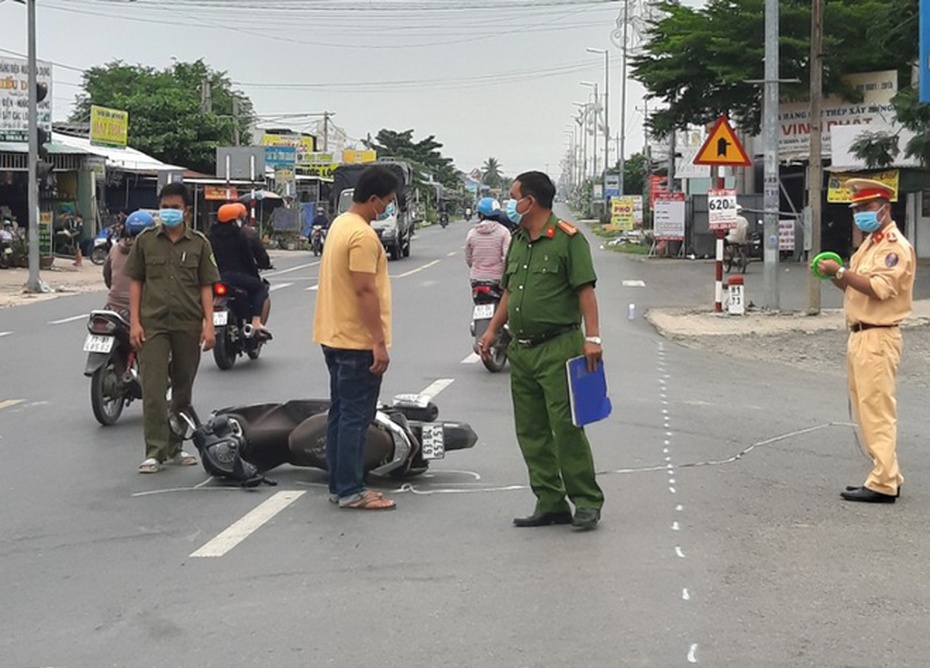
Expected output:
(247, 525)
(64, 320)
(435, 388)
(679, 552)
(9, 403)
(313, 288)
(691, 654)
(452, 254)
(278, 286)
(472, 359)
(297, 268)
(418, 269)
(634, 284)
(2, 334)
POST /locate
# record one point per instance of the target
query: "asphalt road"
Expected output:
(703, 556)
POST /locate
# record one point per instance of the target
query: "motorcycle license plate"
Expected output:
(433, 442)
(483, 312)
(95, 343)
(220, 318)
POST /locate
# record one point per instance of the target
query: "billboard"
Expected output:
(14, 99)
(109, 127)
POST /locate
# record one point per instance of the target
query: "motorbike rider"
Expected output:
(113, 276)
(486, 244)
(236, 262)
(262, 261)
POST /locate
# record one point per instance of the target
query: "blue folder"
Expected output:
(587, 392)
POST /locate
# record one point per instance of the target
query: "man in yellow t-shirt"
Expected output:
(353, 324)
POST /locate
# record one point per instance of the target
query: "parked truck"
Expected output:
(396, 231)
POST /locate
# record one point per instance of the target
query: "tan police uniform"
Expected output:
(874, 345)
(172, 274)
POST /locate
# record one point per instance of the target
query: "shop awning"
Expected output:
(53, 147)
(127, 159)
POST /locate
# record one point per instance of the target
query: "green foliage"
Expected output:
(424, 157)
(699, 59)
(492, 176)
(877, 149)
(165, 115)
(635, 170)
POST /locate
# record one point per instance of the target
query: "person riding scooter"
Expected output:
(236, 262)
(113, 276)
(486, 244)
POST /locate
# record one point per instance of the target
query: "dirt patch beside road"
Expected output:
(62, 278)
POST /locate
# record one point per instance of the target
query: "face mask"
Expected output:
(512, 212)
(387, 213)
(867, 221)
(171, 217)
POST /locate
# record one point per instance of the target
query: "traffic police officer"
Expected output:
(171, 311)
(878, 287)
(549, 288)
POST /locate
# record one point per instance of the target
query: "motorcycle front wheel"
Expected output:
(106, 397)
(98, 255)
(224, 353)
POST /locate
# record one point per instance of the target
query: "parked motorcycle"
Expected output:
(232, 324)
(317, 238)
(103, 242)
(401, 441)
(486, 296)
(111, 365)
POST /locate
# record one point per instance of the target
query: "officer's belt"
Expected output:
(546, 336)
(860, 326)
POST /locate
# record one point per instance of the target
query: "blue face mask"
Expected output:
(171, 217)
(512, 212)
(867, 221)
(388, 212)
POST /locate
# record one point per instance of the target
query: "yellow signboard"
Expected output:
(350, 157)
(722, 147)
(109, 127)
(304, 145)
(838, 193)
(622, 213)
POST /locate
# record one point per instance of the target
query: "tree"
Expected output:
(166, 115)
(635, 170)
(699, 60)
(880, 149)
(491, 173)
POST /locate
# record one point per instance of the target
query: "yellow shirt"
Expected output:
(351, 246)
(888, 259)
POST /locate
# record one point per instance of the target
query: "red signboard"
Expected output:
(220, 193)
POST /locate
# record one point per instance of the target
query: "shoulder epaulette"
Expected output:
(568, 228)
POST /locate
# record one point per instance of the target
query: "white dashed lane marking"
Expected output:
(634, 284)
(247, 525)
(279, 286)
(2, 334)
(9, 403)
(297, 268)
(83, 316)
(474, 358)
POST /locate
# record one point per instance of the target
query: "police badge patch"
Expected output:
(891, 259)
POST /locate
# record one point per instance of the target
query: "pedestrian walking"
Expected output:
(878, 287)
(353, 325)
(171, 316)
(548, 286)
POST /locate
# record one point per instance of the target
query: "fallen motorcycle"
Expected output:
(240, 443)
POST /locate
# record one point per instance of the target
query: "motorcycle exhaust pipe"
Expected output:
(248, 331)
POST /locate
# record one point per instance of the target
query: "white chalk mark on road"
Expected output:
(691, 654)
(247, 525)
(313, 288)
(685, 594)
(452, 254)
(279, 286)
(675, 526)
(2, 334)
(417, 270)
(678, 552)
(83, 316)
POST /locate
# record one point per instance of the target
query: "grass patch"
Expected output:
(630, 249)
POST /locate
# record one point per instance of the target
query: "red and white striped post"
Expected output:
(719, 234)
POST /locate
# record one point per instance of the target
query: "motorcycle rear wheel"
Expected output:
(498, 359)
(98, 255)
(223, 352)
(107, 408)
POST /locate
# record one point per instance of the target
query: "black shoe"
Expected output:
(866, 495)
(543, 519)
(853, 488)
(586, 519)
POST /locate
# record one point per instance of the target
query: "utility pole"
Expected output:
(235, 115)
(326, 116)
(815, 167)
(770, 154)
(626, 25)
(34, 283)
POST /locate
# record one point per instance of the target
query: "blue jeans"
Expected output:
(354, 393)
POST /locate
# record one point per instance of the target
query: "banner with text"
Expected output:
(109, 127)
(668, 216)
(622, 214)
(14, 99)
(721, 209)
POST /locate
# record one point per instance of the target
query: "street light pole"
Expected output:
(626, 23)
(34, 283)
(594, 127)
(606, 103)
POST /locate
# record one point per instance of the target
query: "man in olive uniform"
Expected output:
(878, 287)
(171, 315)
(549, 288)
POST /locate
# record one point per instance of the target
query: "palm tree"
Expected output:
(492, 173)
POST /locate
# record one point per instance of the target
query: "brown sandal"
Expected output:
(370, 501)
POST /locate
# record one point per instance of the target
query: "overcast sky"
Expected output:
(487, 77)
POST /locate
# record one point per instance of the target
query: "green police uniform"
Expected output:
(542, 277)
(172, 316)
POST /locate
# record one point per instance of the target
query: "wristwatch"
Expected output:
(596, 340)
(839, 273)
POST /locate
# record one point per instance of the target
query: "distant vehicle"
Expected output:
(395, 231)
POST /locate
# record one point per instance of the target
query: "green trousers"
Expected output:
(557, 453)
(164, 356)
